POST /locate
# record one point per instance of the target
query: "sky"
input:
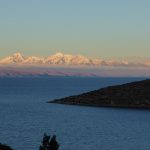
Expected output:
(94, 28)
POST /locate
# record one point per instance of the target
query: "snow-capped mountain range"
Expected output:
(67, 59)
(19, 65)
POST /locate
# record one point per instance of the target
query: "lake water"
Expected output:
(25, 116)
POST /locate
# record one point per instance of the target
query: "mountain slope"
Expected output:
(135, 94)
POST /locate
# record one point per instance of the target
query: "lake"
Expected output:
(25, 115)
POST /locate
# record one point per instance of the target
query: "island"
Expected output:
(134, 94)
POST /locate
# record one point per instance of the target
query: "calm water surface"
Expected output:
(25, 116)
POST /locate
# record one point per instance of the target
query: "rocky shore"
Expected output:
(134, 94)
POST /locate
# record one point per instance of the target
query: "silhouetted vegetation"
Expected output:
(49, 143)
(5, 147)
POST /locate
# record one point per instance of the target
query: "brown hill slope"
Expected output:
(135, 94)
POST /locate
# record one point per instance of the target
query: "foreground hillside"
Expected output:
(135, 94)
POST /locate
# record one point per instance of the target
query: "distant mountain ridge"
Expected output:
(42, 72)
(68, 59)
(57, 59)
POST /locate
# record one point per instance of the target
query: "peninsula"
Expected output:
(134, 94)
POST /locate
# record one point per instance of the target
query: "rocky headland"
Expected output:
(135, 94)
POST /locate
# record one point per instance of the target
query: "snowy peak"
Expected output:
(60, 58)
(17, 54)
(34, 60)
(68, 59)
(15, 58)
(18, 58)
(59, 54)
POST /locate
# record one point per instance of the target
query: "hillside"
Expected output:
(135, 94)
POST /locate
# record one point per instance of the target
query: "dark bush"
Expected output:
(49, 143)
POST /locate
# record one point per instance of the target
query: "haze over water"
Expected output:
(25, 116)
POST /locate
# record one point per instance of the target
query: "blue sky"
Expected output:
(96, 28)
